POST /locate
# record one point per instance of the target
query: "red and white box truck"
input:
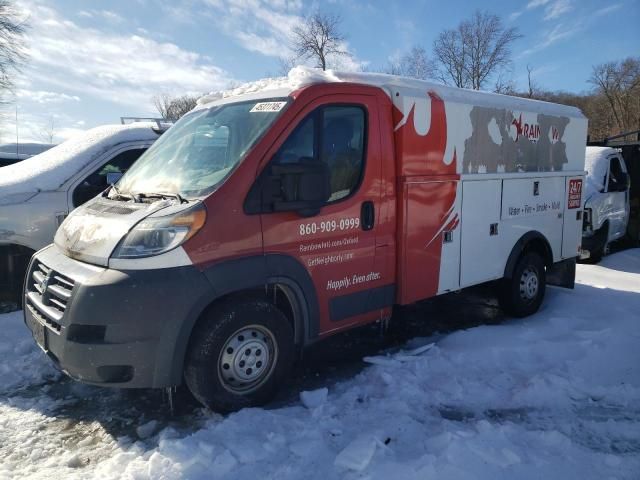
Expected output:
(286, 211)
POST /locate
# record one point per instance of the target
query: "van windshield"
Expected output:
(195, 155)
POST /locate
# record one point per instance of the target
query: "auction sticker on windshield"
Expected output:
(267, 107)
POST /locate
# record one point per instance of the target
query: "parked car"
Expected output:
(11, 153)
(606, 200)
(263, 222)
(36, 194)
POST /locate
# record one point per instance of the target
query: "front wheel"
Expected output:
(239, 354)
(522, 294)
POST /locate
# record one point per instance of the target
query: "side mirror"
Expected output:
(113, 177)
(303, 186)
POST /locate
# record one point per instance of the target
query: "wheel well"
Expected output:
(278, 294)
(530, 242)
(14, 259)
(542, 248)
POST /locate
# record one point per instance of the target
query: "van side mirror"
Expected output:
(113, 177)
(303, 186)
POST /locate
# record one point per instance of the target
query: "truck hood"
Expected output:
(91, 232)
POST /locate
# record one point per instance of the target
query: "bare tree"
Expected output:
(619, 82)
(504, 84)
(450, 51)
(532, 87)
(414, 64)
(319, 39)
(12, 48)
(172, 108)
(475, 51)
(48, 133)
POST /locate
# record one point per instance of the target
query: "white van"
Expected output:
(37, 194)
(606, 205)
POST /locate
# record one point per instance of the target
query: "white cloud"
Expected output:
(607, 10)
(102, 14)
(43, 96)
(265, 26)
(515, 15)
(536, 3)
(557, 8)
(562, 31)
(127, 70)
(558, 33)
(552, 8)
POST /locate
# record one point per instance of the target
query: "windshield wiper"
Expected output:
(149, 195)
(119, 195)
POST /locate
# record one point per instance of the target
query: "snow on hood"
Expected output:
(596, 165)
(92, 231)
(51, 169)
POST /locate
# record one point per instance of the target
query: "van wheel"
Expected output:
(522, 294)
(601, 247)
(239, 354)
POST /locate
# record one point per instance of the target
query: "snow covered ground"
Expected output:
(553, 396)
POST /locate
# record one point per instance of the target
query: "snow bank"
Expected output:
(22, 362)
(52, 168)
(555, 395)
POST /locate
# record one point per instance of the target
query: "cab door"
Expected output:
(337, 243)
(617, 198)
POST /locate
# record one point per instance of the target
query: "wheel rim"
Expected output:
(529, 284)
(247, 359)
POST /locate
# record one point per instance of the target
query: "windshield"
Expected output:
(201, 149)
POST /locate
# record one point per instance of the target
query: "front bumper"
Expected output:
(109, 327)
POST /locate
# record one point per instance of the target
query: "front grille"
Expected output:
(48, 293)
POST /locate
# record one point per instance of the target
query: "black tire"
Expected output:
(258, 345)
(600, 248)
(522, 294)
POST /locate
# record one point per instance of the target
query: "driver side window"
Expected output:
(98, 181)
(336, 136)
(615, 175)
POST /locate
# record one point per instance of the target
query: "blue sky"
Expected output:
(94, 61)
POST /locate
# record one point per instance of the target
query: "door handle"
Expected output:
(367, 215)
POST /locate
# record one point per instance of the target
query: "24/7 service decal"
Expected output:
(575, 193)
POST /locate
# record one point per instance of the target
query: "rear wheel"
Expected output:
(239, 354)
(522, 294)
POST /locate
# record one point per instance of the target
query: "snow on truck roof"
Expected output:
(52, 168)
(301, 76)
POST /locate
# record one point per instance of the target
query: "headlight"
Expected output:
(156, 235)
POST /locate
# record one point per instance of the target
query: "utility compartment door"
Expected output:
(430, 235)
(533, 204)
(572, 228)
(481, 247)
